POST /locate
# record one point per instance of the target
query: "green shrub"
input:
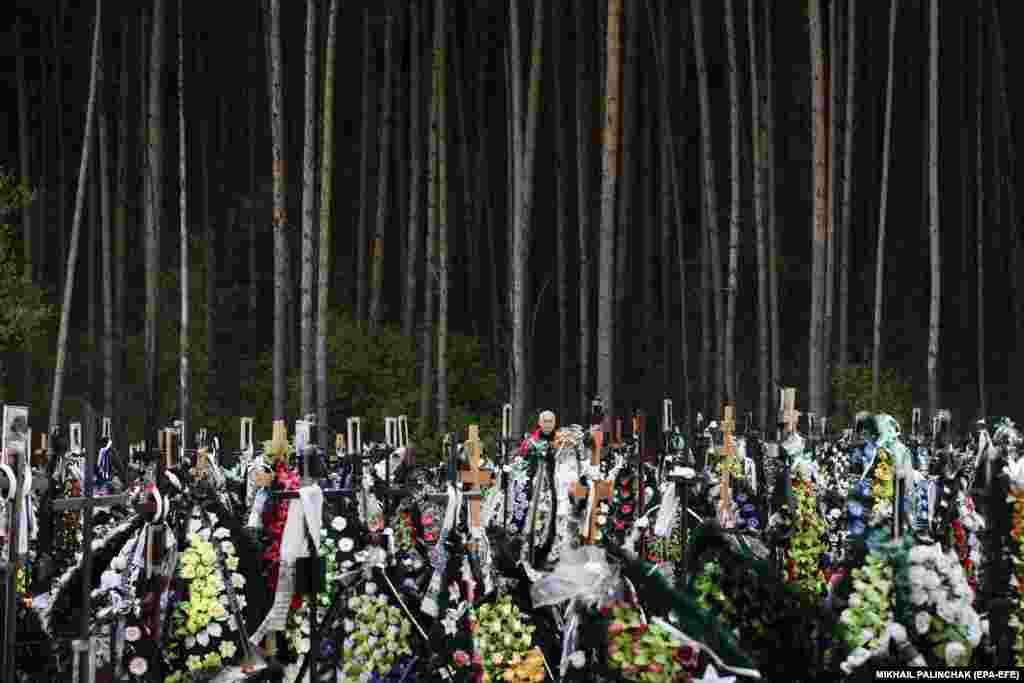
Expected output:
(851, 387)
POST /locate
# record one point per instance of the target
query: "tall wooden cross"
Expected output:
(602, 488)
(471, 476)
(790, 415)
(617, 441)
(728, 450)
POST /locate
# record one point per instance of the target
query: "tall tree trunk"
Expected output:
(734, 214)
(154, 215)
(441, 28)
(309, 211)
(92, 339)
(24, 150)
(61, 174)
(847, 200)
(185, 372)
(210, 250)
(831, 168)
(280, 215)
(65, 312)
(255, 274)
(876, 357)
(710, 209)
(820, 221)
(627, 228)
(485, 205)
(584, 126)
(120, 218)
(562, 215)
(934, 308)
(326, 198)
(610, 170)
(416, 171)
(471, 293)
(107, 284)
(758, 145)
(773, 256)
(383, 177)
(430, 272)
(979, 208)
(365, 150)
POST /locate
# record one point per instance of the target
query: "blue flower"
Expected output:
(856, 527)
(741, 498)
(862, 487)
(740, 523)
(854, 509)
(748, 508)
(754, 523)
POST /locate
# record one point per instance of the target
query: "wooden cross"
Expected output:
(728, 450)
(202, 467)
(617, 441)
(602, 488)
(790, 415)
(471, 476)
(39, 452)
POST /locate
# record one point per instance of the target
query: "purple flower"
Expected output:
(748, 508)
(754, 523)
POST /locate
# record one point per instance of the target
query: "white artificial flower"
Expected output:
(577, 659)
(190, 642)
(371, 588)
(916, 575)
(948, 612)
(339, 523)
(204, 534)
(932, 581)
(302, 646)
(214, 519)
(956, 653)
(855, 601)
(918, 554)
(215, 630)
(221, 532)
(194, 526)
(203, 638)
(119, 564)
(345, 545)
(228, 547)
(237, 580)
(922, 622)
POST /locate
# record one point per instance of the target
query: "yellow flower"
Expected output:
(218, 612)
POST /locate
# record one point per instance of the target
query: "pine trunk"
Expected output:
(60, 176)
(584, 125)
(820, 221)
(561, 217)
(185, 373)
(24, 150)
(471, 288)
(714, 260)
(734, 214)
(326, 197)
(365, 149)
(106, 277)
(847, 189)
(430, 272)
(76, 224)
(376, 304)
(773, 255)
(120, 219)
(876, 357)
(441, 30)
(832, 148)
(309, 188)
(154, 180)
(91, 338)
(416, 171)
(280, 212)
(758, 145)
(979, 209)
(610, 171)
(933, 193)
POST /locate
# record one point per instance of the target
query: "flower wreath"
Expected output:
(643, 652)
(503, 647)
(619, 517)
(1017, 551)
(808, 544)
(376, 641)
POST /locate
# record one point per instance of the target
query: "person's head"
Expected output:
(547, 422)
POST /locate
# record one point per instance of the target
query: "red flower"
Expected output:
(296, 601)
(626, 509)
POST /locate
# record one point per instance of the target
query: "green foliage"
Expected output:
(852, 385)
(375, 377)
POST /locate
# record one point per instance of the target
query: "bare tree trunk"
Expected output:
(831, 149)
(154, 215)
(710, 208)
(210, 249)
(610, 166)
(847, 205)
(734, 214)
(364, 175)
(758, 145)
(979, 210)
(91, 274)
(876, 359)
(60, 176)
(471, 288)
(441, 29)
(185, 373)
(120, 244)
(280, 215)
(773, 256)
(383, 177)
(933, 193)
(561, 217)
(584, 103)
(65, 311)
(416, 171)
(430, 273)
(308, 212)
(106, 288)
(820, 221)
(326, 197)
(24, 150)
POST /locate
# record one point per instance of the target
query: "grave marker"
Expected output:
(790, 415)
(728, 450)
(245, 436)
(603, 489)
(472, 477)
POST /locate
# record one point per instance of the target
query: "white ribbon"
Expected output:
(683, 639)
(669, 510)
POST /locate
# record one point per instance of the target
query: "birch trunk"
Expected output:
(979, 208)
(185, 373)
(416, 171)
(106, 277)
(773, 256)
(154, 215)
(280, 213)
(383, 177)
(934, 309)
(584, 126)
(326, 197)
(710, 209)
(364, 175)
(757, 144)
(734, 214)
(65, 312)
(441, 29)
(847, 188)
(307, 361)
(876, 357)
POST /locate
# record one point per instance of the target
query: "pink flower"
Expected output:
(427, 520)
(132, 633)
(477, 658)
(138, 666)
(616, 628)
(461, 657)
(619, 524)
(639, 628)
(626, 509)
(655, 668)
(428, 537)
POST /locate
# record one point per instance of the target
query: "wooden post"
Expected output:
(790, 415)
(40, 441)
(354, 427)
(245, 435)
(728, 450)
(403, 431)
(602, 488)
(472, 477)
(617, 441)
(75, 438)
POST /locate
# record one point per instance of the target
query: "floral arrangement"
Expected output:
(71, 530)
(376, 637)
(503, 644)
(203, 627)
(882, 487)
(808, 542)
(275, 514)
(942, 616)
(864, 622)
(1017, 551)
(643, 652)
(708, 587)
